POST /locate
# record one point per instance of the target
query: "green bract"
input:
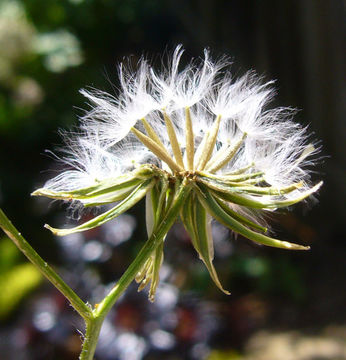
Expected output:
(206, 196)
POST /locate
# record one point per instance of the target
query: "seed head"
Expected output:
(196, 140)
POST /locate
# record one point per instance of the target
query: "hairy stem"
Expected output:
(92, 332)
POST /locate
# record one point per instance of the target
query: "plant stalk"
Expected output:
(92, 332)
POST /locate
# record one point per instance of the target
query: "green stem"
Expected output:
(45, 269)
(93, 328)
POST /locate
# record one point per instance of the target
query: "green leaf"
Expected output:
(108, 198)
(151, 272)
(155, 278)
(8, 254)
(228, 194)
(198, 225)
(268, 190)
(219, 214)
(15, 284)
(239, 170)
(162, 204)
(102, 192)
(120, 208)
(229, 178)
(244, 220)
(151, 201)
(158, 203)
(246, 188)
(187, 218)
(104, 187)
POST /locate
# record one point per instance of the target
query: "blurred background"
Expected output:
(284, 305)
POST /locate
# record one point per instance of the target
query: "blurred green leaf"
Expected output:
(9, 254)
(15, 284)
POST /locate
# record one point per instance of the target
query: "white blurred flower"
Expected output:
(61, 50)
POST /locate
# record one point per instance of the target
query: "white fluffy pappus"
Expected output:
(106, 146)
(86, 162)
